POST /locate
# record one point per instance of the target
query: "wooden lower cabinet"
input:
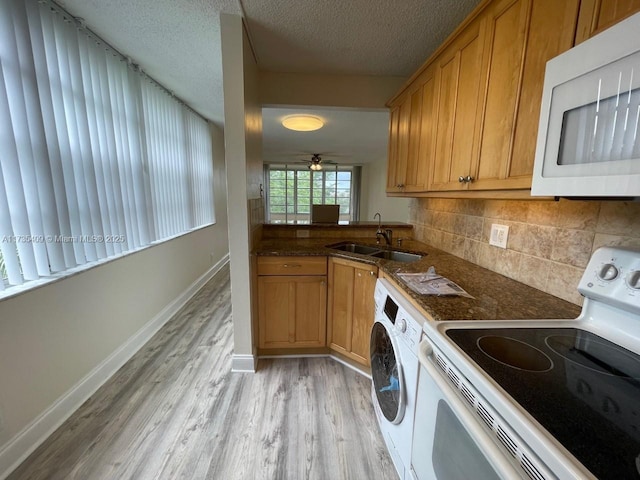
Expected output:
(351, 308)
(292, 309)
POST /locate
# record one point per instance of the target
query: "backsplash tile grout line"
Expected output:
(549, 242)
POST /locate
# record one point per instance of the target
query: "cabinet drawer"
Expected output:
(292, 265)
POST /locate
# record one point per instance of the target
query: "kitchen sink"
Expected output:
(378, 252)
(355, 248)
(397, 256)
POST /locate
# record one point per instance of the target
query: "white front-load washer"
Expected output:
(394, 370)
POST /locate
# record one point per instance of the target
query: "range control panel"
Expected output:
(613, 276)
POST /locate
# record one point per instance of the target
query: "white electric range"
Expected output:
(543, 399)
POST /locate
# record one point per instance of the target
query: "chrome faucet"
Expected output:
(386, 234)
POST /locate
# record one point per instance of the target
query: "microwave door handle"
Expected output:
(496, 457)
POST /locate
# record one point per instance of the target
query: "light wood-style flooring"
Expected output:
(175, 410)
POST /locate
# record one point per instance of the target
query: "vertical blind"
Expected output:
(96, 159)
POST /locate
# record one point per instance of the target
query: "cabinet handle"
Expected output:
(372, 273)
(292, 265)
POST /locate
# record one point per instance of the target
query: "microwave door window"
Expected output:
(602, 131)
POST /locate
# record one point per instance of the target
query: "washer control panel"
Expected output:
(613, 276)
(396, 309)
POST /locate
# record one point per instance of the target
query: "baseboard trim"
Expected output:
(355, 368)
(13, 453)
(352, 367)
(244, 363)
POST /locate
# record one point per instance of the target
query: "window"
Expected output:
(96, 158)
(293, 189)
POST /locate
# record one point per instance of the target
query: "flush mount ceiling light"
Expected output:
(302, 123)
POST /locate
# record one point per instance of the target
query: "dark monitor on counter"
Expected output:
(325, 213)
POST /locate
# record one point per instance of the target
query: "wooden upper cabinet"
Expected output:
(522, 36)
(458, 71)
(467, 124)
(392, 158)
(418, 171)
(551, 26)
(598, 15)
(404, 139)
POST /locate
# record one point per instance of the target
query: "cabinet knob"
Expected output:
(372, 273)
(469, 179)
(461, 179)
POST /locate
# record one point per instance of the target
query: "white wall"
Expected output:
(57, 342)
(243, 137)
(374, 199)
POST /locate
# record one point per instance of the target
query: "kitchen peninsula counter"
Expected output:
(496, 297)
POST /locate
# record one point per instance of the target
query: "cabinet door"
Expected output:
(550, 31)
(291, 311)
(399, 143)
(423, 133)
(364, 286)
(504, 54)
(340, 311)
(392, 157)
(598, 15)
(459, 74)
(351, 308)
(521, 36)
(404, 138)
(276, 311)
(310, 325)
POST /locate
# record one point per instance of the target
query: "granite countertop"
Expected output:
(345, 224)
(496, 296)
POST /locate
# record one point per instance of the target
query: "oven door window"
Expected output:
(455, 454)
(443, 448)
(386, 373)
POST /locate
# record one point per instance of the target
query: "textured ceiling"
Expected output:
(178, 41)
(348, 137)
(366, 37)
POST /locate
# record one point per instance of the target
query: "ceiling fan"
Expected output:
(316, 162)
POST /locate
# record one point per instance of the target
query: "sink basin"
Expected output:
(377, 252)
(355, 248)
(396, 256)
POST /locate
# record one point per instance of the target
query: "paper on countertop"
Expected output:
(430, 283)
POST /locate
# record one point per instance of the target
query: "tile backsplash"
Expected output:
(549, 242)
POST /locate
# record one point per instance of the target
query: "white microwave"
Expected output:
(589, 133)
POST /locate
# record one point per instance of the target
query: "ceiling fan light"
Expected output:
(315, 167)
(302, 123)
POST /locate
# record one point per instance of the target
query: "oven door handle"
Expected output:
(485, 443)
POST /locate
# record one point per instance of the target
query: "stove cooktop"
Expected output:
(581, 388)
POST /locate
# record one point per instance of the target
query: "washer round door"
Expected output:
(386, 372)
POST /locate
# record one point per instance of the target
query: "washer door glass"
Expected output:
(386, 373)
